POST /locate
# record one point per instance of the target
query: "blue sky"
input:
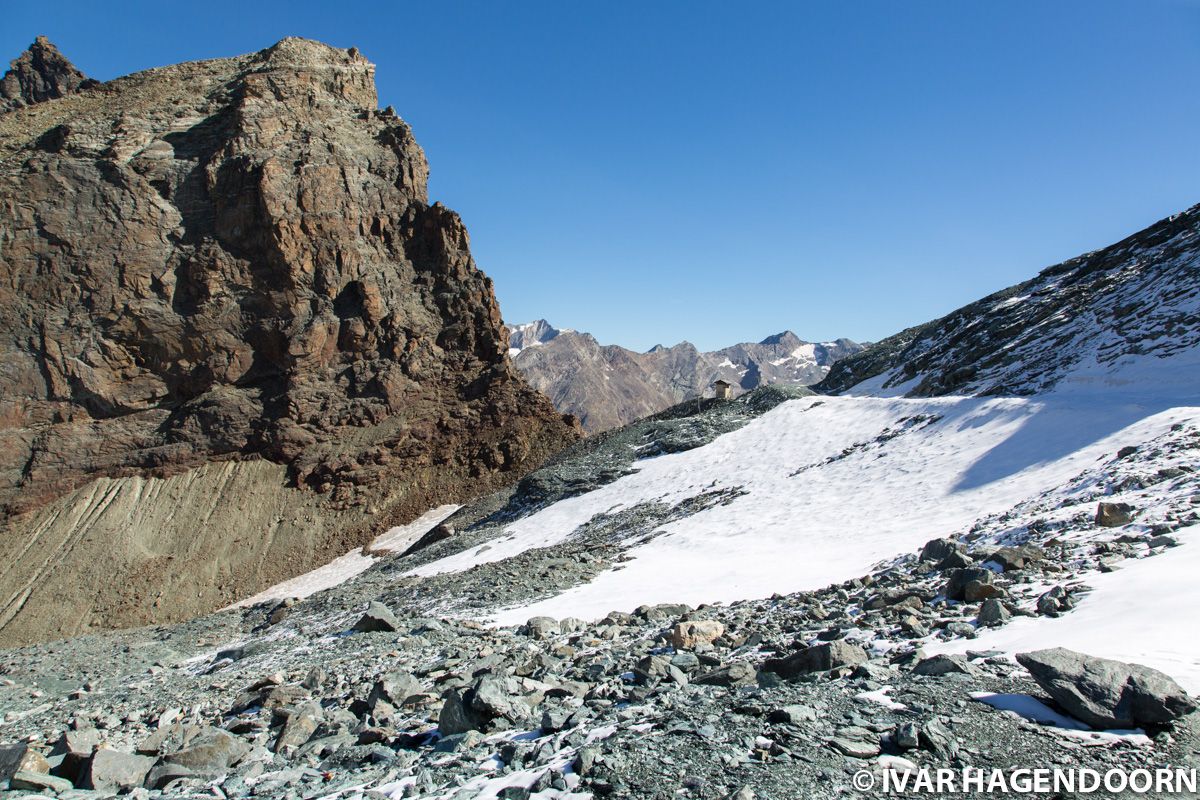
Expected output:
(718, 172)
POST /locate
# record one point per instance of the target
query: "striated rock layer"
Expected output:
(231, 260)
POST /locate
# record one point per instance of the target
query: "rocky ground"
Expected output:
(387, 687)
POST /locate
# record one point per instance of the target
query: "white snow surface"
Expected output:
(833, 521)
(1139, 613)
(345, 567)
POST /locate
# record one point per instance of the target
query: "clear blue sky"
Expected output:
(720, 171)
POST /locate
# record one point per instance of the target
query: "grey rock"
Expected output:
(1014, 558)
(542, 628)
(211, 750)
(114, 771)
(162, 774)
(936, 738)
(738, 673)
(818, 658)
(937, 549)
(39, 782)
(959, 580)
(944, 664)
(993, 613)
(793, 714)
(300, 726)
(856, 742)
(907, 736)
(395, 688)
(1104, 693)
(377, 618)
(456, 715)
(16, 758)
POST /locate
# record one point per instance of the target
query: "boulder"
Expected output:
(476, 708)
(116, 772)
(20, 757)
(1014, 558)
(395, 688)
(1105, 693)
(944, 664)
(377, 618)
(687, 635)
(993, 613)
(39, 782)
(301, 724)
(738, 673)
(210, 750)
(1114, 515)
(792, 715)
(542, 628)
(957, 581)
(937, 549)
(456, 715)
(818, 658)
(163, 774)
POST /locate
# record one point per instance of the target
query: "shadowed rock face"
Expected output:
(236, 259)
(40, 73)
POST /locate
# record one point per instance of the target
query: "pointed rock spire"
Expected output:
(40, 73)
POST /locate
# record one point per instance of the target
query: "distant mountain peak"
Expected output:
(784, 338)
(607, 385)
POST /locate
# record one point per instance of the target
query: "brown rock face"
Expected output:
(40, 73)
(236, 259)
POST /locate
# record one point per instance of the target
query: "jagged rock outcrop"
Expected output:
(234, 259)
(40, 73)
(1082, 318)
(607, 386)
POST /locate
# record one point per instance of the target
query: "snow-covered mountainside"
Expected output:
(767, 597)
(1083, 321)
(606, 386)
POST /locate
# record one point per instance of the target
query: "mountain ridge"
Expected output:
(607, 386)
(1028, 337)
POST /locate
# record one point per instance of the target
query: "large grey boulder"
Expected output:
(377, 618)
(1105, 693)
(477, 708)
(211, 750)
(116, 772)
(819, 658)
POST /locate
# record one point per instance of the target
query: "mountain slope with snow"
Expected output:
(607, 386)
(1095, 357)
(1081, 321)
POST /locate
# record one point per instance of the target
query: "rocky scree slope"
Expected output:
(230, 260)
(606, 386)
(1134, 298)
(788, 696)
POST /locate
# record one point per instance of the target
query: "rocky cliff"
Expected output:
(230, 260)
(607, 386)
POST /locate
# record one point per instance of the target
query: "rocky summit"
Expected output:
(40, 73)
(236, 338)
